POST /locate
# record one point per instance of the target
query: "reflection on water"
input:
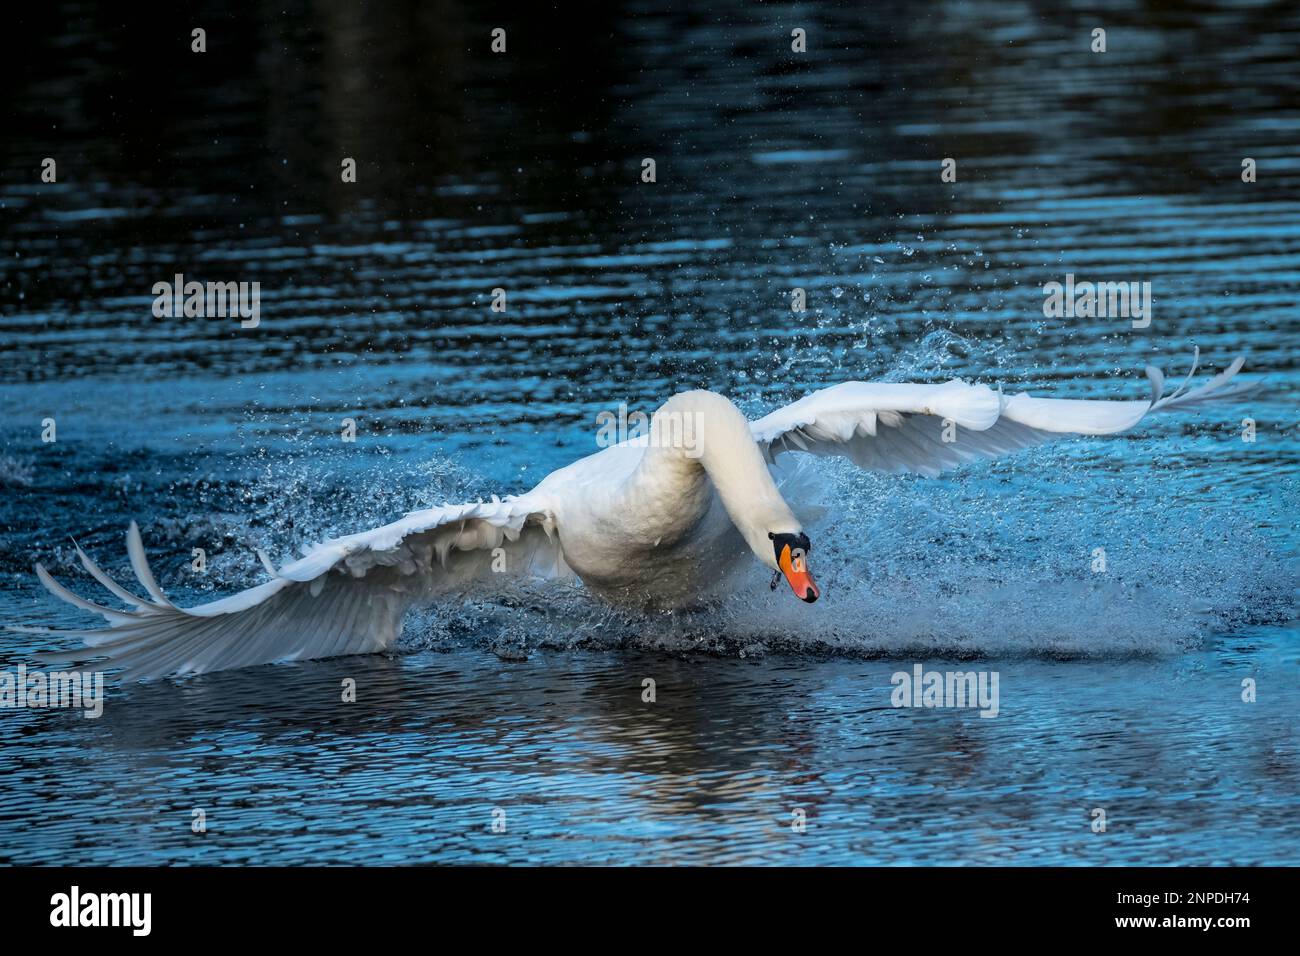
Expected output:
(775, 170)
(712, 771)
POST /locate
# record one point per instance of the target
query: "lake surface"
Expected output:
(519, 733)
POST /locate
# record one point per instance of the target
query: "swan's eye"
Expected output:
(797, 543)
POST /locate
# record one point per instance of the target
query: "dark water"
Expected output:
(1119, 691)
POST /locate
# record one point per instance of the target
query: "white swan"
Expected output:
(646, 523)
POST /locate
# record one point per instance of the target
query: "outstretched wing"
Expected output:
(927, 429)
(345, 596)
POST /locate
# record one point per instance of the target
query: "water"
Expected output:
(1120, 691)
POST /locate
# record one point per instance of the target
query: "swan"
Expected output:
(661, 521)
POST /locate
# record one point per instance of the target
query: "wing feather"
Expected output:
(900, 428)
(344, 596)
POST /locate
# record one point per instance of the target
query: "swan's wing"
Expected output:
(929, 428)
(345, 596)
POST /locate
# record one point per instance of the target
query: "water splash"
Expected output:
(968, 567)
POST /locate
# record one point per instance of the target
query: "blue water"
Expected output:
(1119, 691)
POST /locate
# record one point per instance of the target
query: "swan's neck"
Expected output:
(702, 433)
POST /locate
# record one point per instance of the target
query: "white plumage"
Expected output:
(647, 523)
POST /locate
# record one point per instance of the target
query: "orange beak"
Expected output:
(795, 568)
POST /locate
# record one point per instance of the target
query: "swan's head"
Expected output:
(791, 552)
